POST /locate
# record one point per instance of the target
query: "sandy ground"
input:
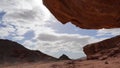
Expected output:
(109, 63)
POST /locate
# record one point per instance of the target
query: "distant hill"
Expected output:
(64, 57)
(13, 52)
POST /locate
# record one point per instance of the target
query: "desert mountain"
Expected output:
(13, 52)
(64, 57)
(104, 54)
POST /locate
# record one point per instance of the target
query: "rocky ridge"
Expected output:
(13, 52)
(103, 49)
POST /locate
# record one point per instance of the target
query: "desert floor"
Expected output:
(109, 63)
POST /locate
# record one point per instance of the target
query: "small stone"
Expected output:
(106, 62)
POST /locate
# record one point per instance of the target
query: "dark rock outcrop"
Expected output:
(64, 57)
(13, 52)
(87, 14)
(104, 49)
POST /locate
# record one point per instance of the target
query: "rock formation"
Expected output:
(104, 49)
(13, 52)
(64, 57)
(88, 14)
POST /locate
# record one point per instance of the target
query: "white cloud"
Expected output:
(114, 32)
(29, 44)
(17, 38)
(64, 41)
(5, 31)
(51, 43)
(24, 14)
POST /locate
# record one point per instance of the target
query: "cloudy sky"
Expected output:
(29, 23)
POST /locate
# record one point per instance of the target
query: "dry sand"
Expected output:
(109, 63)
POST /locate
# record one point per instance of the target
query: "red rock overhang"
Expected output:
(86, 14)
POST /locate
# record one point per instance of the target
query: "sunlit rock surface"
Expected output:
(104, 49)
(87, 14)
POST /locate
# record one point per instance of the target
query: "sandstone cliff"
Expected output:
(104, 49)
(87, 14)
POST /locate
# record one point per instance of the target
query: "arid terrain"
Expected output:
(85, 14)
(109, 63)
(103, 54)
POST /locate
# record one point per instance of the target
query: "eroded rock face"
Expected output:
(104, 49)
(13, 52)
(87, 14)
